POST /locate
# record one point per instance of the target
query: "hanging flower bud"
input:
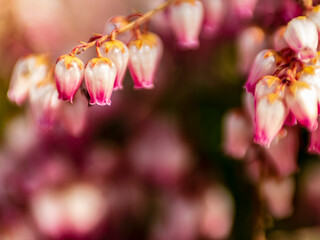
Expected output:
(314, 145)
(27, 72)
(237, 134)
(73, 117)
(118, 52)
(68, 75)
(279, 42)
(278, 194)
(312, 79)
(302, 37)
(302, 102)
(271, 113)
(249, 43)
(244, 8)
(145, 54)
(44, 104)
(215, 12)
(264, 64)
(314, 16)
(100, 74)
(186, 18)
(118, 22)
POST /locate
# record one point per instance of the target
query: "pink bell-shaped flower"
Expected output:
(118, 52)
(264, 64)
(44, 103)
(249, 43)
(100, 74)
(186, 17)
(215, 12)
(68, 75)
(302, 37)
(314, 145)
(27, 72)
(145, 54)
(279, 42)
(271, 112)
(302, 102)
(243, 8)
(314, 16)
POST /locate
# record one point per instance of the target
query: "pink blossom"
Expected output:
(68, 75)
(119, 54)
(278, 194)
(145, 54)
(45, 105)
(302, 36)
(243, 8)
(215, 12)
(27, 72)
(217, 213)
(264, 64)
(249, 43)
(271, 112)
(237, 134)
(302, 102)
(279, 41)
(186, 19)
(314, 145)
(100, 75)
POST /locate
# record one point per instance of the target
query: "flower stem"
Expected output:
(140, 20)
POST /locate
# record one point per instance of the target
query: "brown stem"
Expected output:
(145, 17)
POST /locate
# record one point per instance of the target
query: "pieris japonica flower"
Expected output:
(244, 8)
(314, 145)
(215, 12)
(118, 22)
(264, 64)
(302, 37)
(73, 117)
(118, 52)
(100, 74)
(145, 54)
(217, 213)
(249, 42)
(44, 103)
(278, 194)
(237, 134)
(68, 75)
(27, 72)
(302, 102)
(186, 17)
(279, 42)
(314, 16)
(270, 110)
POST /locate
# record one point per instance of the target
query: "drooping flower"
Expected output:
(118, 52)
(215, 12)
(302, 102)
(314, 16)
(68, 75)
(28, 71)
(186, 17)
(302, 37)
(279, 41)
(270, 115)
(264, 64)
(243, 8)
(100, 74)
(249, 43)
(145, 54)
(45, 105)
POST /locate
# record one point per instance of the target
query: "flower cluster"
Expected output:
(284, 80)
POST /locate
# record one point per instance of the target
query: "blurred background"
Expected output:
(155, 164)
